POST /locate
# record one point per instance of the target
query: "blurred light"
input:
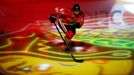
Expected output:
(78, 48)
(128, 1)
(129, 7)
(44, 67)
(26, 68)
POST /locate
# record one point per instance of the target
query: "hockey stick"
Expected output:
(65, 45)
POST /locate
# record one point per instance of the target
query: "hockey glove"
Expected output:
(52, 19)
(77, 25)
(69, 34)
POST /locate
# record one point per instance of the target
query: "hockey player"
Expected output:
(70, 19)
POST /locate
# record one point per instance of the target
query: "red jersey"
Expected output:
(67, 17)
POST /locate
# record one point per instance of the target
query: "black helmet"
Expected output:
(76, 7)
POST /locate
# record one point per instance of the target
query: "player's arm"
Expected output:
(57, 14)
(79, 21)
(54, 15)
